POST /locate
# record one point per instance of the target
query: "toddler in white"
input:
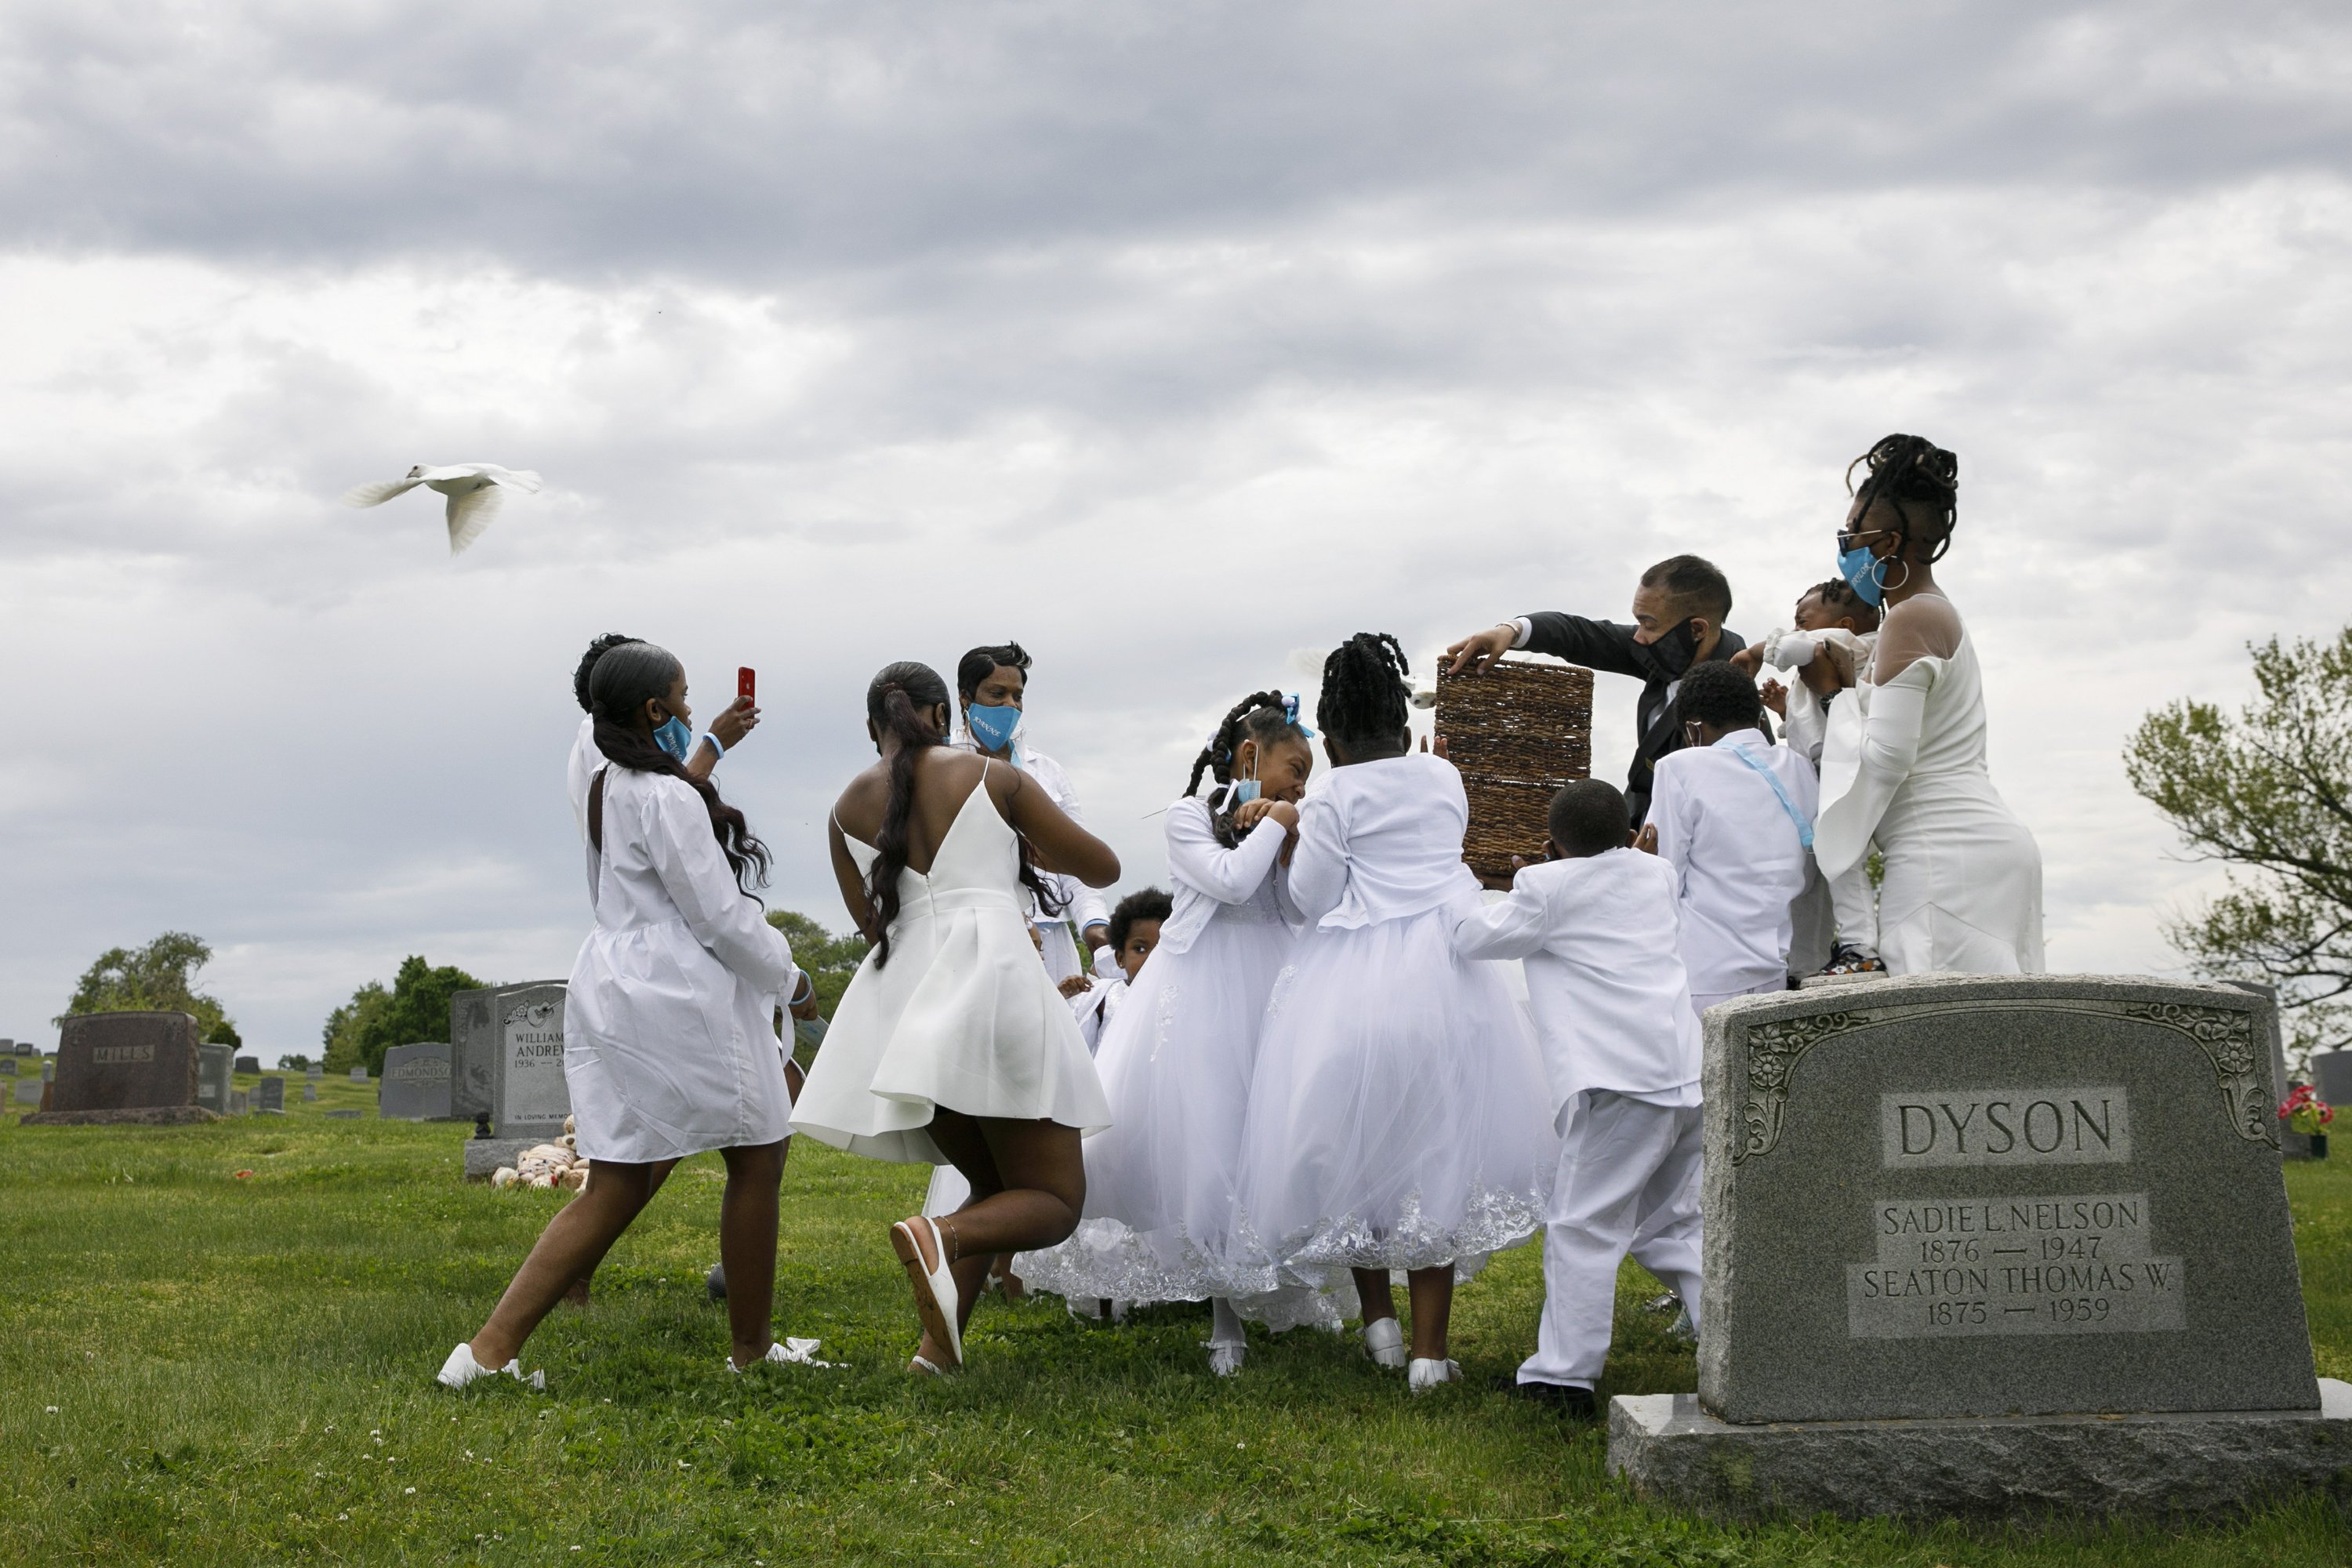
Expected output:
(1596, 925)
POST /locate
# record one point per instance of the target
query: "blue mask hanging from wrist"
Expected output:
(675, 737)
(992, 728)
(1861, 571)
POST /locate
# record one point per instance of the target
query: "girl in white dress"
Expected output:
(951, 1045)
(1903, 760)
(1398, 1117)
(668, 1048)
(1178, 1057)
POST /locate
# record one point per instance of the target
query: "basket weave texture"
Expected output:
(1518, 731)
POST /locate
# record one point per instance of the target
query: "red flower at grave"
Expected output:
(244, 1175)
(2304, 1111)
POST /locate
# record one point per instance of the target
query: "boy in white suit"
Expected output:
(1596, 925)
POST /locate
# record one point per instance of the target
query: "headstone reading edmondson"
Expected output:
(138, 1067)
(473, 1052)
(1997, 1247)
(528, 1096)
(269, 1094)
(415, 1084)
(215, 1072)
(249, 1064)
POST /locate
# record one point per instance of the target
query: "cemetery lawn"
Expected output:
(199, 1368)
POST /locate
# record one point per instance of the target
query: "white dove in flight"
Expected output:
(475, 491)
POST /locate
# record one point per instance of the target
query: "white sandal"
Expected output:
(461, 1369)
(1226, 1360)
(935, 1288)
(1384, 1343)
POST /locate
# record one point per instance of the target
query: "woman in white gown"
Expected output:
(1177, 1058)
(1398, 1117)
(953, 1045)
(1903, 760)
(668, 1048)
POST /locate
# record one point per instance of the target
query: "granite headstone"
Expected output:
(7, 1066)
(216, 1076)
(126, 1061)
(1947, 1202)
(359, 1074)
(26, 1048)
(249, 1064)
(240, 1101)
(2331, 1076)
(415, 1084)
(528, 1096)
(310, 1092)
(473, 1052)
(269, 1094)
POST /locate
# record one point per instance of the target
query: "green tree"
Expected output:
(830, 959)
(358, 1033)
(158, 977)
(2269, 793)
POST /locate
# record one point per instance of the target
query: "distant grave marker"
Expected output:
(269, 1094)
(138, 1067)
(473, 1053)
(415, 1083)
(215, 1070)
(249, 1064)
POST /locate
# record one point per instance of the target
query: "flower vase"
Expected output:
(2319, 1145)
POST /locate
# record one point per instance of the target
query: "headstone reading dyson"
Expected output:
(125, 1067)
(473, 1052)
(249, 1064)
(269, 1094)
(528, 1096)
(415, 1084)
(216, 1077)
(1992, 1246)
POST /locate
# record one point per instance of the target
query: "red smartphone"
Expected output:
(743, 683)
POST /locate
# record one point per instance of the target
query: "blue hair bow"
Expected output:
(1290, 709)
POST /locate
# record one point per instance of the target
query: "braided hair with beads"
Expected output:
(1920, 483)
(1363, 703)
(1262, 716)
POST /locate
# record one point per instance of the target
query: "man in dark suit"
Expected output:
(1678, 616)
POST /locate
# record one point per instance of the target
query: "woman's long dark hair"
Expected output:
(1921, 481)
(896, 701)
(625, 678)
(1261, 717)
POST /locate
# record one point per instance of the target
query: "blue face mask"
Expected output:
(992, 728)
(1858, 567)
(1244, 791)
(674, 737)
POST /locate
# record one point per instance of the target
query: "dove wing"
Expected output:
(379, 493)
(469, 514)
(521, 478)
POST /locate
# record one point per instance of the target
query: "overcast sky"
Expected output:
(1172, 341)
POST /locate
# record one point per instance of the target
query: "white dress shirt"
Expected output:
(579, 772)
(1605, 979)
(1737, 853)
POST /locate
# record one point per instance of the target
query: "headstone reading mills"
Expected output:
(137, 1067)
(1994, 1246)
(415, 1084)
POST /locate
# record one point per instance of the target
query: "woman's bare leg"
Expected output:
(1028, 1184)
(747, 1245)
(1432, 1290)
(578, 1295)
(569, 1249)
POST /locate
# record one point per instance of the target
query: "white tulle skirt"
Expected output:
(1399, 1115)
(1176, 1062)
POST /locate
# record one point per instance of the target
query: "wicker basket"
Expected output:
(1517, 731)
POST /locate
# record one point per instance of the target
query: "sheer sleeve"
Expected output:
(1924, 626)
(1876, 752)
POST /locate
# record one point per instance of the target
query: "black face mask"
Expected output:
(1677, 648)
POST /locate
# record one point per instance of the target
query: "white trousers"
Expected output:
(1702, 1000)
(1856, 903)
(1628, 1181)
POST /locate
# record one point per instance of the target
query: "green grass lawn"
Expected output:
(198, 1368)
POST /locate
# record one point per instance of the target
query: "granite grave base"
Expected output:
(2013, 1469)
(138, 1116)
(485, 1155)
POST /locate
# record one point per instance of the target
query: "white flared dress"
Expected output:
(1905, 764)
(669, 1040)
(1177, 1059)
(962, 1016)
(1399, 1116)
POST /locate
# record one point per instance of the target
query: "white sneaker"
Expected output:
(1384, 1343)
(1226, 1360)
(461, 1369)
(1427, 1374)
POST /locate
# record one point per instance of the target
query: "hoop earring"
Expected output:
(1878, 573)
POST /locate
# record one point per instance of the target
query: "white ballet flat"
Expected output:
(784, 1353)
(461, 1369)
(1428, 1372)
(1384, 1343)
(1226, 1360)
(935, 1288)
(923, 1364)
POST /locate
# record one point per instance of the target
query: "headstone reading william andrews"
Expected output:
(1992, 1246)
(530, 1097)
(125, 1067)
(415, 1084)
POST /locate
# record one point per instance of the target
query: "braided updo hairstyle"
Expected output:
(1262, 716)
(896, 701)
(1363, 703)
(625, 678)
(1921, 480)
